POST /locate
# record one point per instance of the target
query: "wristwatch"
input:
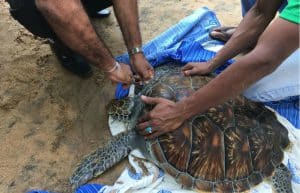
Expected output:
(135, 51)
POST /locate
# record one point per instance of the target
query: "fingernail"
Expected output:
(213, 33)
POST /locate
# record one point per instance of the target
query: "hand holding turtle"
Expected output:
(141, 66)
(120, 73)
(165, 117)
(197, 68)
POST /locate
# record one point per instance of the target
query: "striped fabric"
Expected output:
(89, 188)
(288, 108)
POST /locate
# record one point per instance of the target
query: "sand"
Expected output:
(49, 118)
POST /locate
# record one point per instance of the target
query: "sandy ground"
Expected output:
(49, 118)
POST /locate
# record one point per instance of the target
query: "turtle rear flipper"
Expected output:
(281, 180)
(103, 158)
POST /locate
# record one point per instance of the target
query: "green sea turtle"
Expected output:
(229, 148)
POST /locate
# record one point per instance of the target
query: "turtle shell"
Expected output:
(228, 148)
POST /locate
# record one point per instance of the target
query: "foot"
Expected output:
(71, 61)
(222, 33)
(101, 14)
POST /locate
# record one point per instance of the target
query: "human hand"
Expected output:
(142, 67)
(122, 74)
(197, 68)
(165, 117)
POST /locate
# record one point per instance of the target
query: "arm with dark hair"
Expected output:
(72, 25)
(127, 14)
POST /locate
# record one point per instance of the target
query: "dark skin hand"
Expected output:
(127, 15)
(79, 34)
(195, 68)
(118, 74)
(140, 65)
(160, 125)
(261, 61)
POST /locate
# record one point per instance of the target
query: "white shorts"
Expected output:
(282, 83)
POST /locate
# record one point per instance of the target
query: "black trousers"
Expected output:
(27, 14)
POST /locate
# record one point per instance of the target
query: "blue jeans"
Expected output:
(247, 4)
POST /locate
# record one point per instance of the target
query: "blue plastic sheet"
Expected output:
(288, 108)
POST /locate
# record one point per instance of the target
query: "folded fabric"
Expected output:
(144, 177)
(184, 42)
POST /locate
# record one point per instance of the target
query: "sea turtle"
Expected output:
(229, 148)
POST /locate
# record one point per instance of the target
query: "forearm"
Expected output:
(72, 25)
(248, 31)
(264, 59)
(225, 86)
(127, 15)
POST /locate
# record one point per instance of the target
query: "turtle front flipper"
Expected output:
(103, 158)
(282, 180)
